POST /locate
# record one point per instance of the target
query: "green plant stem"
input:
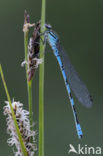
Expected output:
(29, 83)
(41, 83)
(23, 148)
(30, 103)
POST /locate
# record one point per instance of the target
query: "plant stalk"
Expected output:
(23, 148)
(29, 83)
(41, 83)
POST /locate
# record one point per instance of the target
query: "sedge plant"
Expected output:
(20, 121)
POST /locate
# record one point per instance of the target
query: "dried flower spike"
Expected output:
(33, 52)
(22, 117)
(27, 24)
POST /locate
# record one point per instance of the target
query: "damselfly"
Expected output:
(71, 78)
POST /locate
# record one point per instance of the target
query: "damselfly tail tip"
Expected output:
(80, 136)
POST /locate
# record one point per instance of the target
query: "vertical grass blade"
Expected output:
(30, 103)
(23, 148)
(41, 83)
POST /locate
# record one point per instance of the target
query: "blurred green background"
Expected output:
(79, 24)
